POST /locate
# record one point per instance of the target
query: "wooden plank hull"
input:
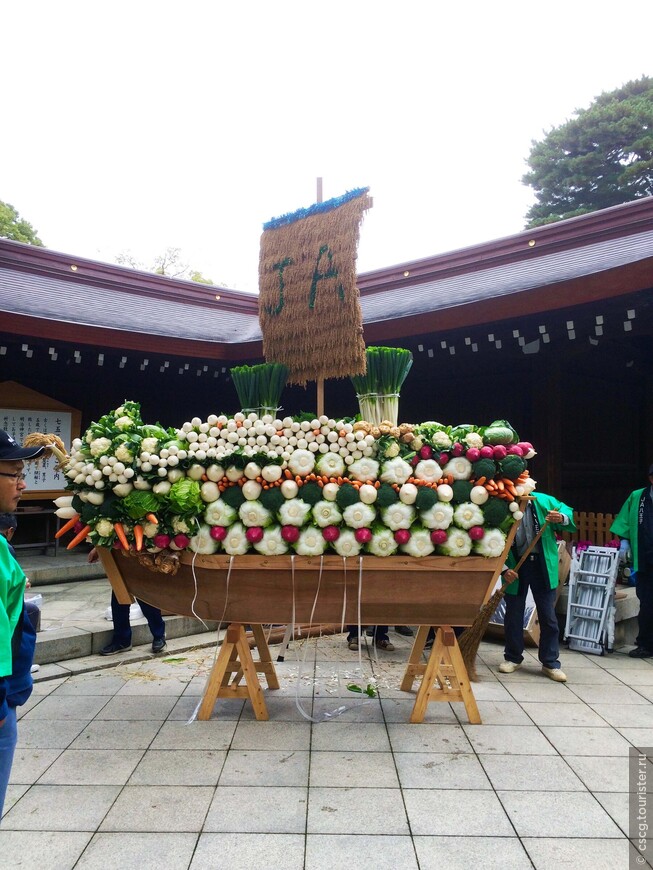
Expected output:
(434, 590)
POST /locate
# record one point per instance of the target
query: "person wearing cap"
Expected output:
(539, 572)
(17, 641)
(634, 523)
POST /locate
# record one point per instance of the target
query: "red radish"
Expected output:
(218, 533)
(444, 458)
(254, 534)
(425, 452)
(487, 452)
(331, 533)
(500, 452)
(515, 450)
(116, 545)
(457, 449)
(439, 536)
(78, 527)
(526, 446)
(162, 541)
(476, 533)
(363, 536)
(473, 454)
(415, 460)
(290, 534)
(402, 536)
(181, 541)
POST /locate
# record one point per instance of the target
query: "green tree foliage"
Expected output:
(12, 226)
(601, 157)
(168, 263)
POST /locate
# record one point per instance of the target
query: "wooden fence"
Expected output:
(591, 527)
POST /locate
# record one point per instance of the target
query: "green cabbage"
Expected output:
(140, 502)
(184, 496)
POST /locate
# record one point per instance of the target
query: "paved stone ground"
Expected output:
(111, 771)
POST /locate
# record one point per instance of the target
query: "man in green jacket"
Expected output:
(540, 573)
(634, 523)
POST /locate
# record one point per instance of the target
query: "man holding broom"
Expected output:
(544, 515)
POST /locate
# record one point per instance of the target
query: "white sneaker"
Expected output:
(34, 669)
(555, 674)
(509, 667)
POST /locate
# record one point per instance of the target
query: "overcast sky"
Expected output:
(139, 125)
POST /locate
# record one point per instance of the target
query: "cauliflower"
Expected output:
(104, 528)
(180, 526)
(149, 445)
(473, 440)
(124, 423)
(99, 446)
(123, 453)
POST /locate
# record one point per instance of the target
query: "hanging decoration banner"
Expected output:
(309, 307)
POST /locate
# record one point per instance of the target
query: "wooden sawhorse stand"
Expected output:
(444, 676)
(235, 657)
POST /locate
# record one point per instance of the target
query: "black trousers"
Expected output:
(644, 590)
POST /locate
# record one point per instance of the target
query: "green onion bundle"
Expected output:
(259, 387)
(378, 390)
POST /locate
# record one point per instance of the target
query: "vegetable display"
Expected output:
(248, 483)
(378, 389)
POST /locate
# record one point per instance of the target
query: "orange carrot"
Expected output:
(138, 537)
(204, 477)
(79, 537)
(481, 481)
(67, 526)
(151, 518)
(120, 534)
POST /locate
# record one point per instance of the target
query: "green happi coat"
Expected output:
(12, 589)
(626, 523)
(543, 504)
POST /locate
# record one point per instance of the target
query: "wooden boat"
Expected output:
(253, 590)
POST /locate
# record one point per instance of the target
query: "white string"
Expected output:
(193, 715)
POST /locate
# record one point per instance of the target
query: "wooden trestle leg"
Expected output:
(235, 658)
(444, 676)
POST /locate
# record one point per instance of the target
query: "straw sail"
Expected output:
(309, 307)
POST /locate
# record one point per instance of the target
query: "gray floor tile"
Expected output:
(212, 734)
(145, 851)
(97, 683)
(272, 735)
(495, 712)
(435, 770)
(590, 677)
(179, 767)
(258, 809)
(138, 707)
(337, 850)
(253, 850)
(508, 739)
(458, 812)
(187, 708)
(92, 767)
(143, 808)
(61, 808)
(148, 684)
(521, 772)
(577, 814)
(112, 734)
(357, 708)
(51, 850)
(578, 854)
(356, 811)
(47, 734)
(251, 767)
(66, 708)
(541, 691)
(462, 853)
(600, 773)
(30, 764)
(490, 689)
(281, 708)
(634, 677)
(350, 736)
(582, 740)
(626, 715)
(13, 795)
(396, 710)
(362, 769)
(563, 714)
(639, 737)
(428, 738)
(616, 804)
(601, 694)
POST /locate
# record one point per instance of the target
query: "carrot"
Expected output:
(151, 518)
(120, 534)
(500, 485)
(204, 478)
(288, 473)
(138, 537)
(79, 537)
(481, 481)
(450, 479)
(67, 526)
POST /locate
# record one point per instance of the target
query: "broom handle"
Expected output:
(528, 550)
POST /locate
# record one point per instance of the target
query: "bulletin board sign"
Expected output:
(23, 411)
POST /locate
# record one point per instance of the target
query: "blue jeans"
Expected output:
(8, 738)
(122, 633)
(532, 574)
